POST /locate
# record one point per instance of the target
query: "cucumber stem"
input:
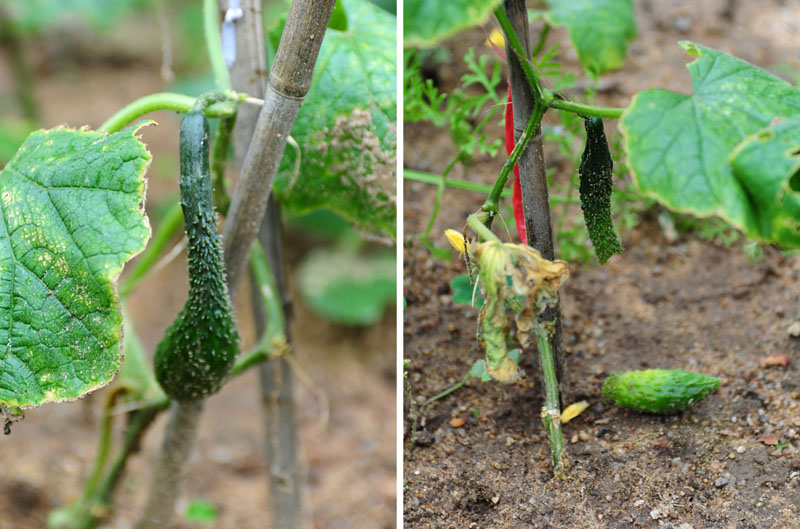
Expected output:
(440, 185)
(516, 46)
(491, 203)
(172, 222)
(586, 110)
(163, 101)
(214, 44)
(551, 414)
(481, 229)
(172, 464)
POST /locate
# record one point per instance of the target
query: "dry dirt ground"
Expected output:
(665, 302)
(349, 459)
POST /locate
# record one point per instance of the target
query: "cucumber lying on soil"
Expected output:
(658, 390)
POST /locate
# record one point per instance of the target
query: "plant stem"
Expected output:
(481, 229)
(274, 318)
(586, 110)
(269, 295)
(171, 223)
(449, 390)
(214, 44)
(430, 178)
(439, 194)
(219, 159)
(163, 101)
(103, 446)
(516, 46)
(492, 201)
(172, 464)
(464, 185)
(551, 414)
(542, 40)
(140, 420)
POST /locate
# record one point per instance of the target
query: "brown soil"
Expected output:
(667, 303)
(347, 419)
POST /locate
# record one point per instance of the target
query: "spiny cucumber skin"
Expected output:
(197, 352)
(658, 390)
(595, 173)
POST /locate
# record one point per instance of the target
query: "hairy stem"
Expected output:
(214, 44)
(586, 110)
(492, 201)
(172, 464)
(163, 101)
(551, 413)
(519, 51)
(481, 229)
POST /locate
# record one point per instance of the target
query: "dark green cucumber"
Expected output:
(595, 174)
(658, 390)
(197, 352)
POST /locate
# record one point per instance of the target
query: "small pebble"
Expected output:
(583, 436)
(667, 525)
(721, 482)
(685, 526)
(655, 514)
(740, 449)
(638, 503)
(574, 439)
(682, 24)
(794, 329)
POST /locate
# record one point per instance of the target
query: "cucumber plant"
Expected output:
(727, 150)
(72, 202)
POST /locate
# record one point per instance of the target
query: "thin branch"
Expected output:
(214, 44)
(163, 101)
(491, 203)
(586, 110)
(172, 222)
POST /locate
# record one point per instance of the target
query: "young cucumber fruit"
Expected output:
(596, 185)
(658, 390)
(197, 352)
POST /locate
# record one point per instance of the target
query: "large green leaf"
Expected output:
(678, 145)
(428, 22)
(767, 165)
(71, 207)
(599, 29)
(346, 128)
(348, 287)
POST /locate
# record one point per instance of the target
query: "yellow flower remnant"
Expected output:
(457, 240)
(573, 410)
(497, 38)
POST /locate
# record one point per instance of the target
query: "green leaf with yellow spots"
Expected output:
(71, 203)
